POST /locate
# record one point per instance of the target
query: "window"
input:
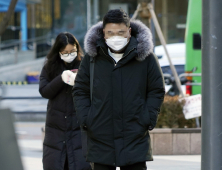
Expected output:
(167, 70)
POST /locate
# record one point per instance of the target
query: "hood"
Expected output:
(139, 30)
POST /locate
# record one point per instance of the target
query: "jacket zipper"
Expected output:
(120, 59)
(127, 54)
(109, 57)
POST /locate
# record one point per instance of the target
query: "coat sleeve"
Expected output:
(81, 91)
(49, 89)
(156, 89)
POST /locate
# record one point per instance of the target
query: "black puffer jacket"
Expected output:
(62, 132)
(126, 98)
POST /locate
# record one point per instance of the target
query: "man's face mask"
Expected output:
(117, 35)
(117, 42)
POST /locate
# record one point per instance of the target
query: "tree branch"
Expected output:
(7, 16)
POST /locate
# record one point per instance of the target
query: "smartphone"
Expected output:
(74, 70)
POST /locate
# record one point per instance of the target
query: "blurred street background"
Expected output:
(29, 33)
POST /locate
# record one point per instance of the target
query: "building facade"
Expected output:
(50, 17)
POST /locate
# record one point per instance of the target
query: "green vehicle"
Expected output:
(193, 44)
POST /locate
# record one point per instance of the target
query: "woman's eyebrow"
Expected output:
(74, 50)
(71, 50)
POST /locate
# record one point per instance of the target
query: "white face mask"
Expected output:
(68, 57)
(117, 42)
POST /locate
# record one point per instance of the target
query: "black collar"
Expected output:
(129, 53)
(73, 65)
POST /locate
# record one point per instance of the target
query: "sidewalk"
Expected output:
(31, 152)
(30, 143)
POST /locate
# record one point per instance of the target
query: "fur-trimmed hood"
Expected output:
(140, 31)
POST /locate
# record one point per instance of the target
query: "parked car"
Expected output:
(177, 55)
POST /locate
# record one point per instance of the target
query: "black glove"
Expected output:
(150, 128)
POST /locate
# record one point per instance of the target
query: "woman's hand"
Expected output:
(68, 77)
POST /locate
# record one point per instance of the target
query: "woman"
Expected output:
(62, 148)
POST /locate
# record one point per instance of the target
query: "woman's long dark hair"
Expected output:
(53, 60)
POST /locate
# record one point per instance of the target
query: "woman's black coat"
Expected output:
(126, 98)
(62, 132)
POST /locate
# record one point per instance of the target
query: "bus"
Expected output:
(193, 44)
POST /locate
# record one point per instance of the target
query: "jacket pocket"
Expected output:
(89, 117)
(144, 118)
(84, 139)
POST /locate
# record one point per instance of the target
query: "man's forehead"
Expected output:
(115, 26)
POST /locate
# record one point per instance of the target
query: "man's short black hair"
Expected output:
(116, 16)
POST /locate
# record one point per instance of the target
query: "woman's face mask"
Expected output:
(69, 57)
(69, 53)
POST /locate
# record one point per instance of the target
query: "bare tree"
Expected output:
(7, 16)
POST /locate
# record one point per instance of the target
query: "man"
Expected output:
(128, 90)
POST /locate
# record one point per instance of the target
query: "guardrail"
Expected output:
(165, 75)
(20, 42)
(191, 75)
(20, 98)
(39, 46)
(9, 99)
